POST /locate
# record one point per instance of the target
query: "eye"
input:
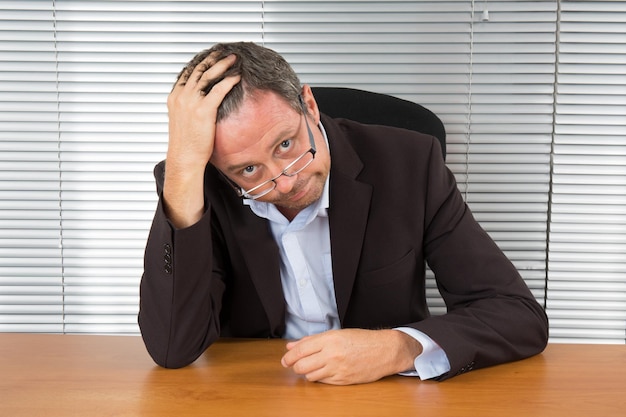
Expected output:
(285, 146)
(249, 171)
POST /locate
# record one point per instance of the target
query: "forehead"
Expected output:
(259, 121)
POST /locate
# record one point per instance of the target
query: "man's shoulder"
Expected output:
(376, 135)
(379, 141)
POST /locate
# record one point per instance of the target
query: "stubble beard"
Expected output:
(316, 181)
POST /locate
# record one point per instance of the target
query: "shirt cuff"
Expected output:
(432, 362)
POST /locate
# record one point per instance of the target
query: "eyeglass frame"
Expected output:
(246, 193)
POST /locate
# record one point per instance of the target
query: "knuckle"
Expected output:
(220, 89)
(299, 368)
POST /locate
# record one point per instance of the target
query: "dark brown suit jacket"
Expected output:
(393, 206)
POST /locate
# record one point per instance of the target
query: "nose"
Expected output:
(284, 184)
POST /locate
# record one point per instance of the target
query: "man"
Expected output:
(257, 234)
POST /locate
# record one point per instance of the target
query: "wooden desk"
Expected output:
(89, 376)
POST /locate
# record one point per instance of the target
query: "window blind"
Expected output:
(446, 58)
(510, 129)
(415, 50)
(587, 269)
(83, 122)
(31, 296)
(117, 61)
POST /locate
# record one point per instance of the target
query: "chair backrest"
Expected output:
(375, 108)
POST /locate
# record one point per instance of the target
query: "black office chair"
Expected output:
(375, 108)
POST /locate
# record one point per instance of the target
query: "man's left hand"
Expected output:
(351, 356)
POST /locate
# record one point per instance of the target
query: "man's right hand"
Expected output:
(192, 119)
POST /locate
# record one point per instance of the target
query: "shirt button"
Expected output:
(302, 283)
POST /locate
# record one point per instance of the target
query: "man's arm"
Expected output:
(181, 289)
(192, 124)
(492, 316)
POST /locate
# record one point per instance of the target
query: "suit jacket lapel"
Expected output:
(348, 214)
(261, 257)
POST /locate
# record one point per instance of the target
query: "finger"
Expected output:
(186, 76)
(210, 69)
(210, 72)
(320, 375)
(300, 349)
(310, 364)
(219, 90)
(198, 70)
(192, 75)
(293, 343)
(213, 77)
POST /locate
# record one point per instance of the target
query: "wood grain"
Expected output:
(88, 375)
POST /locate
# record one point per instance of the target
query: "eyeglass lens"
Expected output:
(292, 169)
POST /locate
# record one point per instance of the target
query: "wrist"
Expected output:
(183, 194)
(408, 349)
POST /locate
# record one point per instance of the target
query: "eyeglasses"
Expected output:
(294, 168)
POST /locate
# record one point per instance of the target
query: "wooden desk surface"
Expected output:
(87, 376)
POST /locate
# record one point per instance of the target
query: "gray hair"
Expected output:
(260, 69)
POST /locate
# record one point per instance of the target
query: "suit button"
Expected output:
(167, 258)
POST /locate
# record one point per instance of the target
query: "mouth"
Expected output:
(297, 196)
(300, 192)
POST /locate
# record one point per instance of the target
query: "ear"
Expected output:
(310, 103)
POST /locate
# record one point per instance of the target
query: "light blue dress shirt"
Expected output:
(307, 279)
(305, 266)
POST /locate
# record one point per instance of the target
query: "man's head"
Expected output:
(261, 69)
(263, 124)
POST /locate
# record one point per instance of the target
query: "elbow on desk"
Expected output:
(169, 353)
(531, 330)
(163, 355)
(170, 356)
(544, 327)
(175, 363)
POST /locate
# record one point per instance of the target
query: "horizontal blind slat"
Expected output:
(587, 259)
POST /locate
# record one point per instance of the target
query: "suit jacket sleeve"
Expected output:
(394, 205)
(178, 321)
(492, 316)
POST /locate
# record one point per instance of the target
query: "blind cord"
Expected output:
(60, 183)
(468, 126)
(552, 144)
